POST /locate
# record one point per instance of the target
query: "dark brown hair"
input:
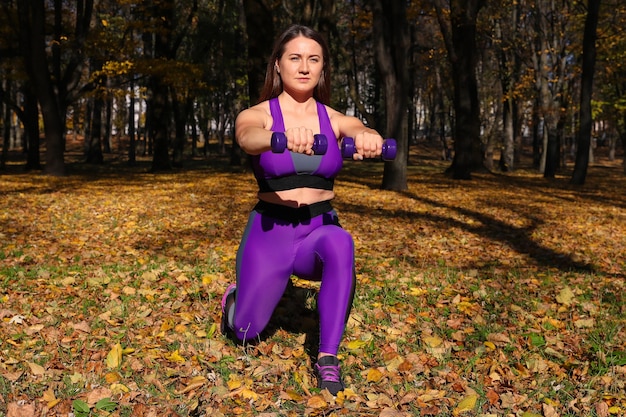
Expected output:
(273, 85)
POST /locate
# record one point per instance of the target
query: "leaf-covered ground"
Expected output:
(501, 296)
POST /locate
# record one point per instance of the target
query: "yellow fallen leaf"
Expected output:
(467, 404)
(356, 344)
(490, 345)
(36, 369)
(234, 382)
(119, 389)
(48, 395)
(195, 382)
(418, 292)
(566, 296)
(111, 377)
(175, 357)
(374, 375)
(465, 306)
(212, 331)
(114, 357)
(291, 395)
(431, 395)
(50, 399)
(167, 324)
(185, 315)
(393, 364)
(317, 401)
(250, 395)
(432, 341)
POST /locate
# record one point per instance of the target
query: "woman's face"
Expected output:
(301, 65)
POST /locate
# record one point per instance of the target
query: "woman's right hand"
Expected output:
(300, 140)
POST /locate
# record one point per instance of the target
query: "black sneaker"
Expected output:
(227, 301)
(329, 374)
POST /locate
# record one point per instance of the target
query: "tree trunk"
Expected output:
(390, 46)
(180, 134)
(6, 134)
(588, 67)
(33, 45)
(31, 126)
(260, 34)
(93, 133)
(507, 160)
(551, 154)
(132, 129)
(460, 36)
(107, 131)
(159, 103)
(159, 125)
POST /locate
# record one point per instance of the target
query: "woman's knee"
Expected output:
(337, 241)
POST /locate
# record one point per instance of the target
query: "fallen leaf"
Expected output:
(374, 375)
(549, 411)
(175, 357)
(390, 412)
(36, 369)
(114, 357)
(317, 401)
(97, 394)
(467, 404)
(193, 383)
(584, 323)
(21, 410)
(49, 398)
(356, 344)
(432, 341)
(249, 395)
(498, 338)
(566, 296)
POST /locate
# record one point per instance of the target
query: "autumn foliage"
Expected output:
(499, 296)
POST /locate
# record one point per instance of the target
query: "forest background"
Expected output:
(124, 196)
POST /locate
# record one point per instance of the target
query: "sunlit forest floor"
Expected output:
(499, 296)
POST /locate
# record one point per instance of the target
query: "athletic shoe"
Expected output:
(227, 300)
(328, 374)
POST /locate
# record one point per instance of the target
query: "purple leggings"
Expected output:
(279, 242)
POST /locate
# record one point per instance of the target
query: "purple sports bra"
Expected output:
(290, 170)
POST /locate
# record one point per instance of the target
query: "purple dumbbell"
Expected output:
(348, 149)
(278, 143)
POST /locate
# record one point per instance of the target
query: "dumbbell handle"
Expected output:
(348, 149)
(278, 143)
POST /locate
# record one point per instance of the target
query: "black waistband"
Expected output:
(291, 182)
(293, 214)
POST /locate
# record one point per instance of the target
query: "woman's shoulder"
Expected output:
(259, 112)
(335, 114)
(336, 117)
(263, 106)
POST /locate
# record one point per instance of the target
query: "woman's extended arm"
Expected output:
(368, 142)
(251, 131)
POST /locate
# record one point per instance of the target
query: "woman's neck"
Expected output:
(296, 100)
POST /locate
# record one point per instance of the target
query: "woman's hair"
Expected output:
(273, 85)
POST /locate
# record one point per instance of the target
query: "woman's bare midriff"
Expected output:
(298, 197)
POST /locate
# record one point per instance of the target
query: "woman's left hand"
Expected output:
(368, 145)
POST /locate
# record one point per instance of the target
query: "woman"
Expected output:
(293, 230)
